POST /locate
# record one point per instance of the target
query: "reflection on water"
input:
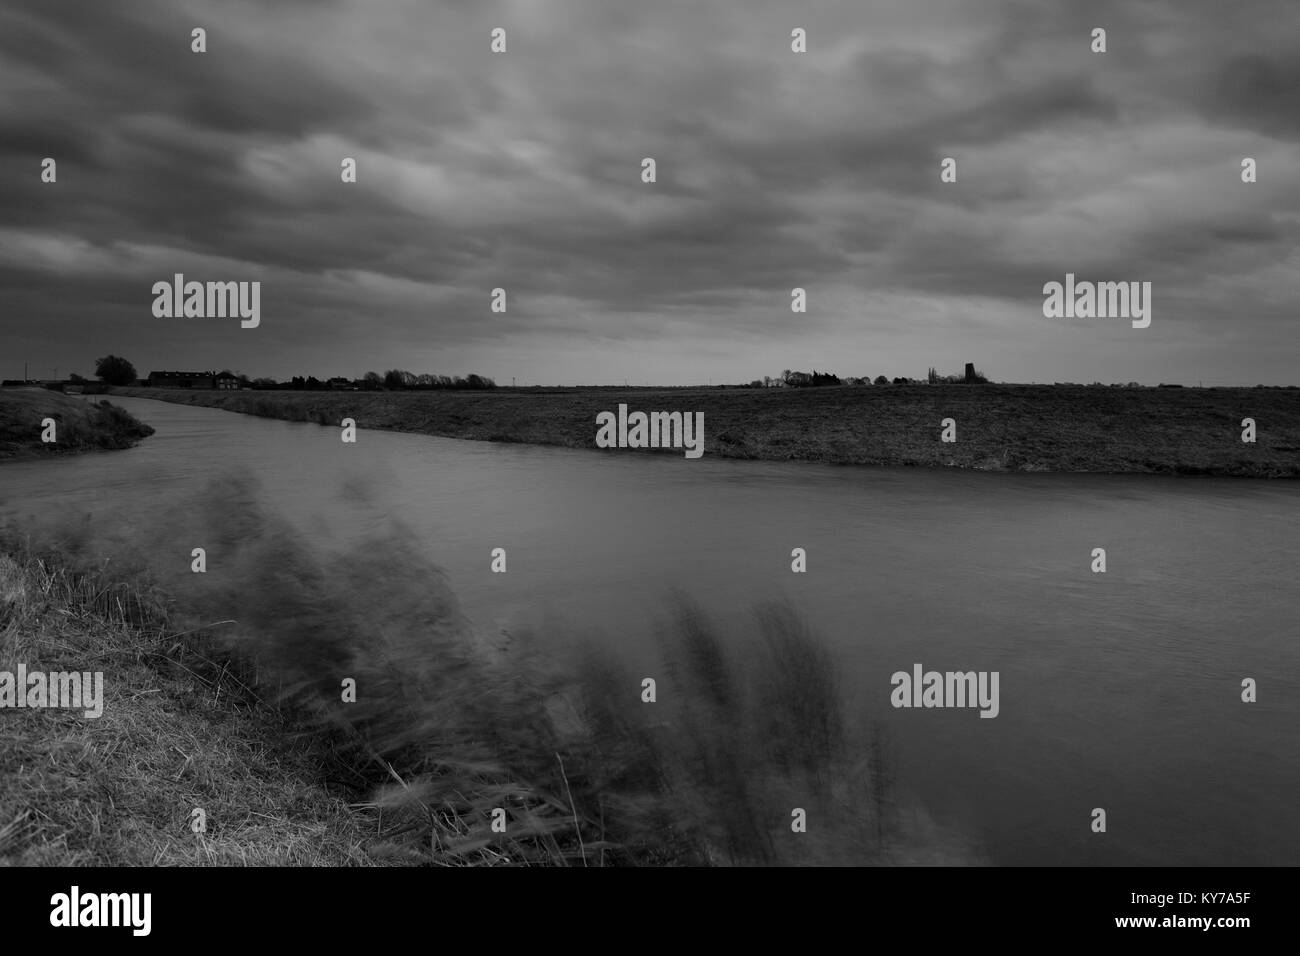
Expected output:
(1118, 690)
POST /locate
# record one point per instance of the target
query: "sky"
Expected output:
(774, 170)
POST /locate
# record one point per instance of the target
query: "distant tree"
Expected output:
(399, 378)
(265, 383)
(882, 380)
(371, 381)
(74, 377)
(809, 379)
(115, 370)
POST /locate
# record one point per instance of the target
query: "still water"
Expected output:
(1119, 690)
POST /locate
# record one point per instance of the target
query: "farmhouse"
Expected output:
(181, 380)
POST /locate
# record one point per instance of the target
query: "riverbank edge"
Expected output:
(80, 425)
(1000, 428)
(186, 765)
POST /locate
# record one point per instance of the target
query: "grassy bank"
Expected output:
(179, 731)
(999, 427)
(80, 424)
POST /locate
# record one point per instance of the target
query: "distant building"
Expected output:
(181, 380)
(338, 383)
(227, 381)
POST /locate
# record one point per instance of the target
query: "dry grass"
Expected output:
(178, 732)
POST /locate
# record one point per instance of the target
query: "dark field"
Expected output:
(999, 427)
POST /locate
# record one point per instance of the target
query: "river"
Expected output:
(1119, 690)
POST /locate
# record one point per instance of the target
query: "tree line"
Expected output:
(392, 380)
(115, 370)
(814, 379)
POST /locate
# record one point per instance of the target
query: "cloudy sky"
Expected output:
(775, 170)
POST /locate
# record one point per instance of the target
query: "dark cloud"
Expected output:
(774, 171)
(1259, 93)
